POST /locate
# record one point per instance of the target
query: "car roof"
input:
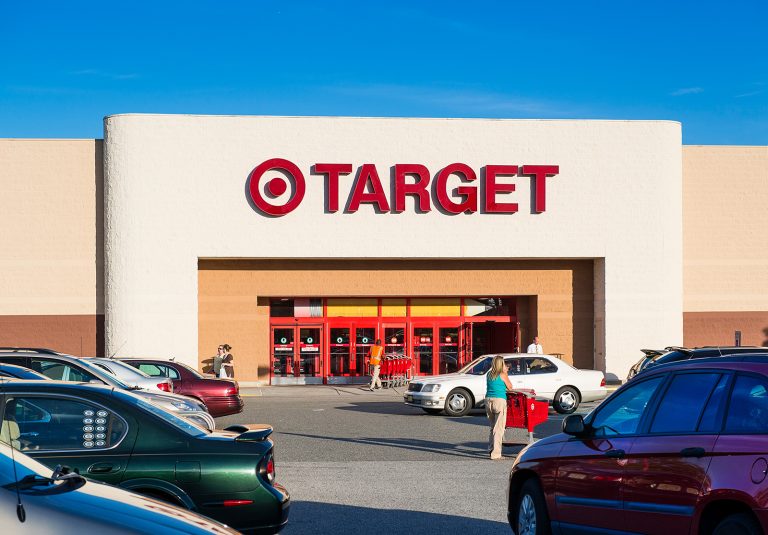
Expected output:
(742, 361)
(57, 385)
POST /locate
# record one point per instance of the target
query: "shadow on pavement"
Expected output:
(317, 517)
(472, 450)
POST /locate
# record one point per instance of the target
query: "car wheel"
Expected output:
(458, 402)
(432, 411)
(532, 516)
(566, 400)
(740, 524)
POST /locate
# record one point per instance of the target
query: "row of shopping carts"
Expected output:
(396, 370)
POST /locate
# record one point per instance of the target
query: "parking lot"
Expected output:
(357, 461)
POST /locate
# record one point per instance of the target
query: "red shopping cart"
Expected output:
(525, 410)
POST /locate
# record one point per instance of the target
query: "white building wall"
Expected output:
(175, 191)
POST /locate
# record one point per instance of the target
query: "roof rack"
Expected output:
(41, 350)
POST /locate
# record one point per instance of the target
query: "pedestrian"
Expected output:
(227, 362)
(374, 354)
(535, 347)
(497, 384)
(217, 360)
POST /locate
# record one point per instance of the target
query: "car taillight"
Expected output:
(165, 387)
(602, 382)
(267, 468)
(232, 391)
(234, 503)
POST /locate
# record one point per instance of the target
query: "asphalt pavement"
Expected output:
(356, 462)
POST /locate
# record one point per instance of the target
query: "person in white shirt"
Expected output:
(535, 347)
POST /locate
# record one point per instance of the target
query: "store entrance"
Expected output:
(297, 355)
(348, 346)
(436, 348)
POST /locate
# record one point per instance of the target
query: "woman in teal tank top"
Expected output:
(497, 384)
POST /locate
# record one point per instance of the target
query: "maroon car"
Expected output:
(221, 396)
(682, 448)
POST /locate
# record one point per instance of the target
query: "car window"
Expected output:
(621, 414)
(683, 403)
(479, 368)
(515, 366)
(748, 409)
(18, 361)
(539, 365)
(712, 418)
(151, 370)
(171, 372)
(190, 370)
(61, 371)
(56, 424)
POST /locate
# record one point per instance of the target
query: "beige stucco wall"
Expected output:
(51, 238)
(234, 297)
(725, 222)
(725, 261)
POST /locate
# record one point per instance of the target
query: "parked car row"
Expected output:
(127, 431)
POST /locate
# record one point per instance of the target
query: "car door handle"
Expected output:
(692, 452)
(615, 454)
(103, 468)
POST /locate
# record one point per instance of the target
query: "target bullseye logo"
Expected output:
(276, 186)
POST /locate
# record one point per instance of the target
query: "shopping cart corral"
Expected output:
(395, 370)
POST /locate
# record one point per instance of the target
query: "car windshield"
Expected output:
(180, 423)
(104, 375)
(126, 369)
(479, 366)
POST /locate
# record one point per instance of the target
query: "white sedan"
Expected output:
(551, 378)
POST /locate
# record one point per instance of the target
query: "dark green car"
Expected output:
(113, 436)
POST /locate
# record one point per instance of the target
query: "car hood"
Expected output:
(447, 378)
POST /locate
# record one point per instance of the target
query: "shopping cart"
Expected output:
(395, 371)
(525, 410)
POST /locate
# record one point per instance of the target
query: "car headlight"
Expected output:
(430, 388)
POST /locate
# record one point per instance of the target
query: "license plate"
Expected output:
(409, 398)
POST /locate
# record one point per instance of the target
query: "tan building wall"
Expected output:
(725, 261)
(234, 297)
(51, 267)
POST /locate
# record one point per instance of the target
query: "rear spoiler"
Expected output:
(653, 352)
(251, 432)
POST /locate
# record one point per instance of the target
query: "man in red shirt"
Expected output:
(374, 354)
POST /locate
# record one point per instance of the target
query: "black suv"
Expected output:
(677, 354)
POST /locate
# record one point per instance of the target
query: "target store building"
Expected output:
(300, 241)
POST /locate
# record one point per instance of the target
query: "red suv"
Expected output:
(682, 448)
(221, 396)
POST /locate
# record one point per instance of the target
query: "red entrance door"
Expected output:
(348, 346)
(297, 354)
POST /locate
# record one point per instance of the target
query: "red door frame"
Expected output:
(296, 353)
(352, 324)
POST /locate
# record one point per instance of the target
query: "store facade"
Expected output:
(299, 241)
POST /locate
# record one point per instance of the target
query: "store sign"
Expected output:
(410, 180)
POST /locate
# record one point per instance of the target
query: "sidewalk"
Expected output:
(331, 391)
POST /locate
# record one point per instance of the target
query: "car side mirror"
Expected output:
(574, 425)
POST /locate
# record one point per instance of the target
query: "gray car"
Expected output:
(67, 503)
(132, 376)
(68, 368)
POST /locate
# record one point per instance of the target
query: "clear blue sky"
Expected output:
(64, 65)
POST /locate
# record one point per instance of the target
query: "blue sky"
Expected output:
(65, 65)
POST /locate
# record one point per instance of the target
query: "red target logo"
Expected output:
(276, 186)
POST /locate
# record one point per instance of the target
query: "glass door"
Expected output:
(339, 350)
(448, 351)
(282, 354)
(365, 337)
(423, 350)
(394, 340)
(297, 355)
(310, 355)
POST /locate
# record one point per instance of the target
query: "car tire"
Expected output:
(458, 402)
(566, 400)
(738, 524)
(532, 517)
(432, 411)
